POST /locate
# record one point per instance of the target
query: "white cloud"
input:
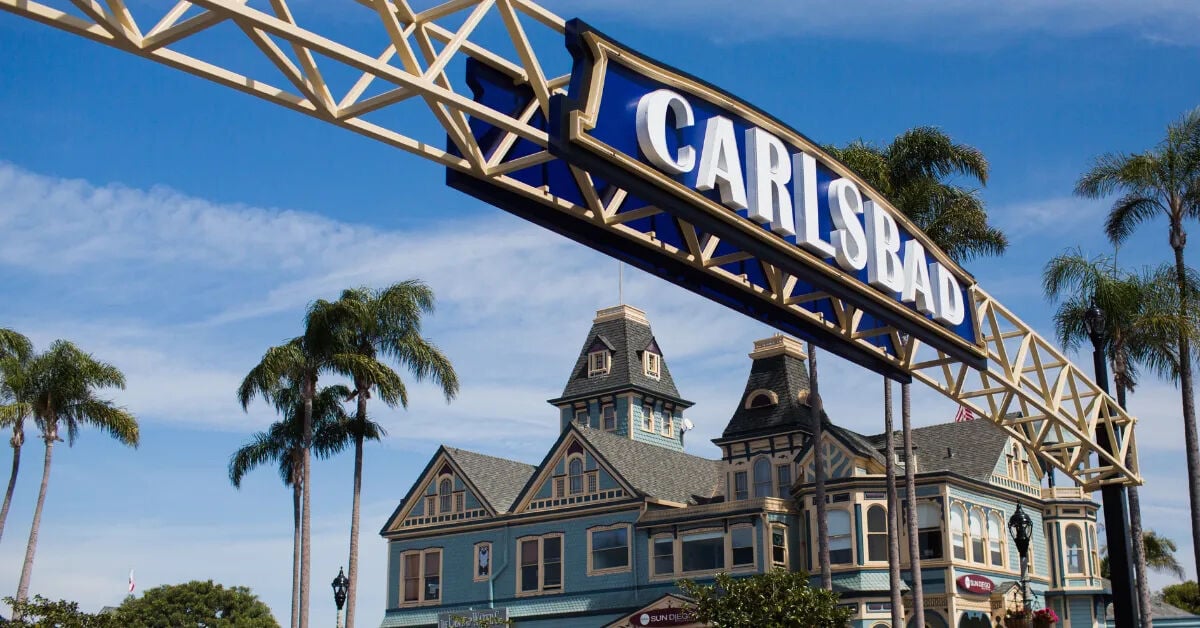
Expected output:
(1050, 217)
(935, 23)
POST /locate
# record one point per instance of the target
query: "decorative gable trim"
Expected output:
(441, 465)
(841, 461)
(571, 445)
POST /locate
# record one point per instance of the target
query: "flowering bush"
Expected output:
(1045, 615)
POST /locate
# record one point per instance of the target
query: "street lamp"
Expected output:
(1116, 526)
(340, 584)
(1020, 526)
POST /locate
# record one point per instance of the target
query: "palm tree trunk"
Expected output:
(31, 548)
(310, 386)
(819, 470)
(893, 521)
(12, 482)
(1135, 528)
(296, 490)
(910, 496)
(361, 421)
(1185, 388)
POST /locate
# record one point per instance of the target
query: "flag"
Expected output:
(132, 584)
(964, 414)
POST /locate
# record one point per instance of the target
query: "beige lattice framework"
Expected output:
(410, 61)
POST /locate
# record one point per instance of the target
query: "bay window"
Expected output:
(840, 552)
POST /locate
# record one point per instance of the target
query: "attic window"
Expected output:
(599, 363)
(761, 398)
(653, 364)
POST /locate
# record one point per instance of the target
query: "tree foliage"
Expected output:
(1185, 595)
(196, 603)
(778, 599)
(40, 612)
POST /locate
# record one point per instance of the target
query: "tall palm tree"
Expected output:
(282, 443)
(62, 393)
(1160, 556)
(1138, 329)
(914, 173)
(893, 504)
(1162, 181)
(369, 326)
(299, 362)
(818, 430)
(15, 350)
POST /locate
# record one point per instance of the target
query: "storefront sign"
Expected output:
(666, 617)
(976, 584)
(471, 619)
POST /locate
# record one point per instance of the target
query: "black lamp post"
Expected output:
(1020, 527)
(340, 584)
(1116, 526)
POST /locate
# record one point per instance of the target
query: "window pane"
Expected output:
(743, 546)
(412, 577)
(976, 525)
(839, 537)
(552, 565)
(876, 519)
(575, 473)
(762, 478)
(703, 552)
(739, 483)
(1074, 550)
(610, 549)
(433, 575)
(529, 565)
(877, 547)
(610, 418)
(929, 516)
(930, 544)
(784, 472)
(778, 546)
(664, 556)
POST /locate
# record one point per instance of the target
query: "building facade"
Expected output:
(598, 531)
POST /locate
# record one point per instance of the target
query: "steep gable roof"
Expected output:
(779, 367)
(499, 480)
(626, 331)
(966, 448)
(654, 471)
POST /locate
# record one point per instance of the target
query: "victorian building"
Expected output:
(597, 532)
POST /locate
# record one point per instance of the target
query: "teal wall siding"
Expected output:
(674, 442)
(1040, 566)
(1080, 612)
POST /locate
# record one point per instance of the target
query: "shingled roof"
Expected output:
(966, 448)
(498, 479)
(625, 331)
(653, 470)
(779, 367)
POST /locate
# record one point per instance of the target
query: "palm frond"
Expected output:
(15, 344)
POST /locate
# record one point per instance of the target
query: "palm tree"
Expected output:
(15, 350)
(893, 504)
(299, 362)
(282, 443)
(818, 429)
(912, 172)
(1139, 330)
(1160, 556)
(63, 397)
(1162, 181)
(370, 325)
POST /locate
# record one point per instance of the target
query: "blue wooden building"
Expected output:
(597, 532)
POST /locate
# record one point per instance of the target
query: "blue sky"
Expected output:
(177, 229)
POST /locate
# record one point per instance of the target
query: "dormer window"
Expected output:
(761, 398)
(599, 363)
(653, 364)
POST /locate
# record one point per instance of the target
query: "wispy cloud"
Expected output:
(930, 23)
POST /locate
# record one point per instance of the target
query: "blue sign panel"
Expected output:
(767, 195)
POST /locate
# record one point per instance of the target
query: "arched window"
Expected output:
(761, 398)
(957, 538)
(762, 478)
(445, 495)
(995, 539)
(877, 534)
(1095, 552)
(839, 538)
(929, 530)
(1074, 538)
(975, 524)
(575, 475)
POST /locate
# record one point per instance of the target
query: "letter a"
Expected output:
(720, 164)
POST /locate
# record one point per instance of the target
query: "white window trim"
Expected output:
(1083, 552)
(674, 556)
(867, 532)
(582, 412)
(603, 408)
(628, 550)
(475, 564)
(647, 413)
(648, 358)
(965, 533)
(562, 561)
(421, 601)
(753, 564)
(770, 542)
(447, 495)
(582, 474)
(668, 428)
(606, 358)
(849, 535)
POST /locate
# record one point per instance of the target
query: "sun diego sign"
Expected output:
(699, 154)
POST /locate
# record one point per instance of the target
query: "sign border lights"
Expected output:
(675, 144)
